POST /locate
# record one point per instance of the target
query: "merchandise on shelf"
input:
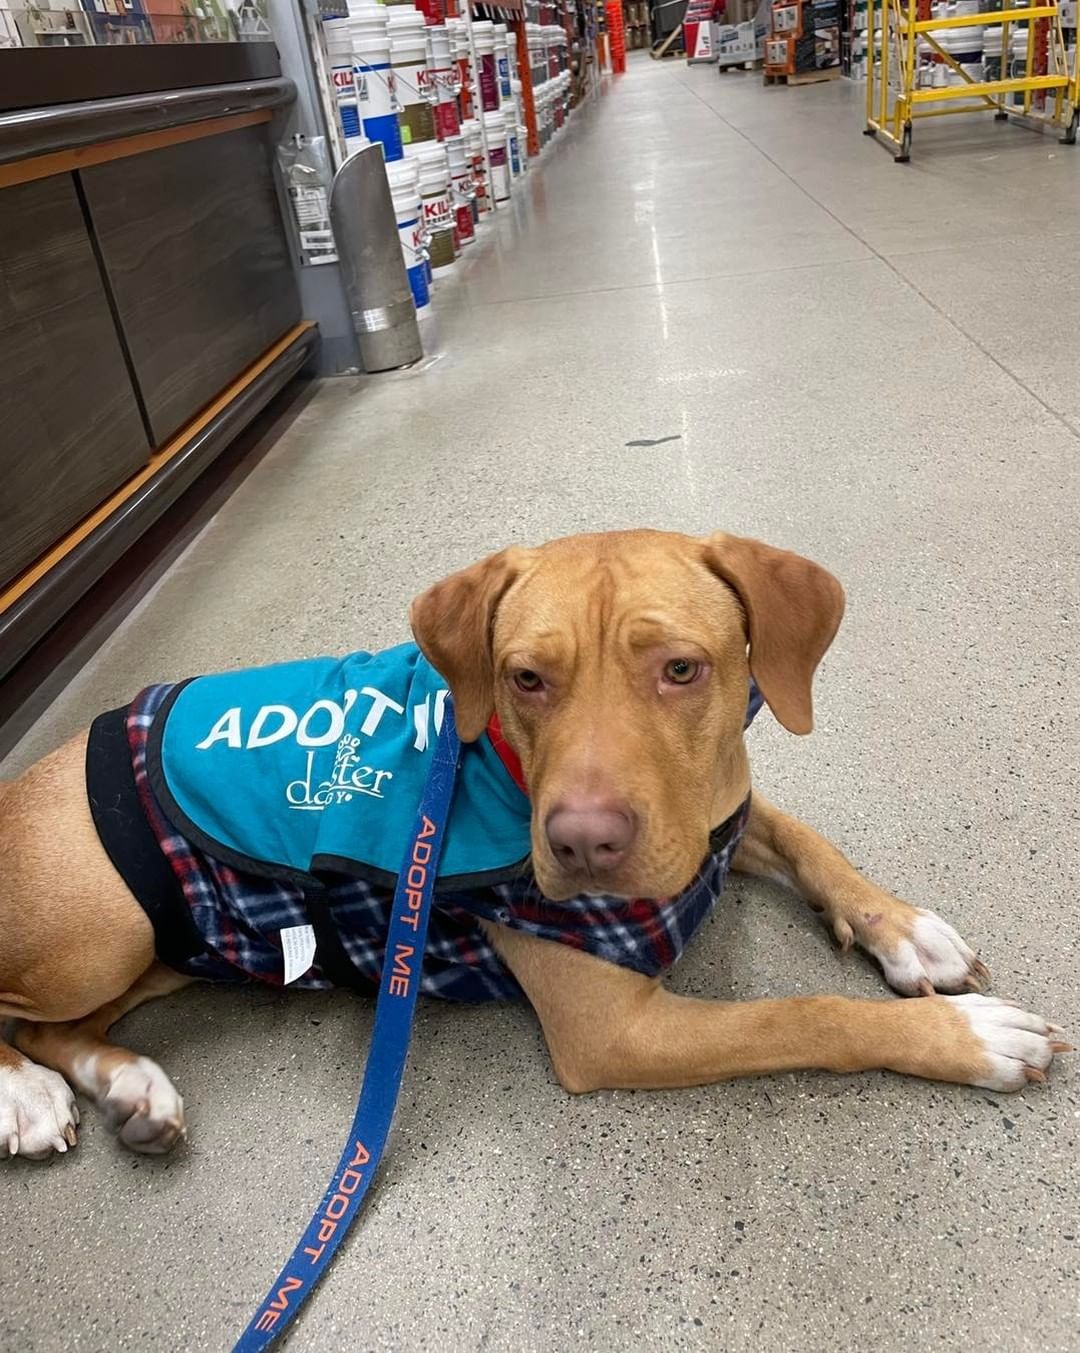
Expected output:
(804, 37)
(404, 177)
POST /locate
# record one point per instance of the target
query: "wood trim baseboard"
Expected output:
(101, 152)
(172, 448)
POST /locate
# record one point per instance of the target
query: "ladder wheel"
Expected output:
(905, 146)
(1069, 139)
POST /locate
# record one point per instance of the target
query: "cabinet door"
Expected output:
(70, 429)
(195, 251)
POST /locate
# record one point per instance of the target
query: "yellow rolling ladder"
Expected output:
(894, 98)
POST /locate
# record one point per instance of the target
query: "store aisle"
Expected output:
(715, 306)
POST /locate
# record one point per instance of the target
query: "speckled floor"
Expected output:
(826, 361)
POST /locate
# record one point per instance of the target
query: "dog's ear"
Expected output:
(793, 610)
(454, 622)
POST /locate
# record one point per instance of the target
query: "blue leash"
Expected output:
(398, 990)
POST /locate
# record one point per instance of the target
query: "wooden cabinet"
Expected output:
(194, 250)
(72, 431)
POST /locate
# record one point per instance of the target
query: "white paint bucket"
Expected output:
(495, 132)
(374, 77)
(502, 59)
(474, 148)
(404, 179)
(459, 49)
(562, 101)
(410, 62)
(444, 79)
(487, 77)
(438, 209)
(553, 35)
(515, 122)
(461, 187)
(534, 42)
(513, 151)
(339, 54)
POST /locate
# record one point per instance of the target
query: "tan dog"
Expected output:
(618, 665)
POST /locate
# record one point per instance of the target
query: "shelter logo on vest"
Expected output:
(348, 777)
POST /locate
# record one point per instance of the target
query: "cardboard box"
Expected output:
(779, 57)
(735, 44)
(827, 44)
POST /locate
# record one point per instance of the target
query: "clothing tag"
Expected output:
(298, 950)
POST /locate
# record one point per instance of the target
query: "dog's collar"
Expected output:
(506, 754)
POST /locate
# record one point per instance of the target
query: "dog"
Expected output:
(601, 686)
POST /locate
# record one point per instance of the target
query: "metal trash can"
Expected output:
(372, 266)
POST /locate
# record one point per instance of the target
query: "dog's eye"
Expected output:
(528, 681)
(681, 671)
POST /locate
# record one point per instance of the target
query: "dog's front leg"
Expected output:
(139, 1101)
(610, 1028)
(919, 953)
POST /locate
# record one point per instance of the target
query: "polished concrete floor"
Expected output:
(871, 364)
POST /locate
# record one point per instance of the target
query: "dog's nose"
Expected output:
(592, 836)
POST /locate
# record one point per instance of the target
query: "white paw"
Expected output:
(38, 1113)
(1018, 1046)
(142, 1103)
(933, 958)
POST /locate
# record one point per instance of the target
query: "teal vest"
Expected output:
(316, 767)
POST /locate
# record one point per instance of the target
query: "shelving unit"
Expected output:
(913, 48)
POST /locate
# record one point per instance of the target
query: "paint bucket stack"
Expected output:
(498, 157)
(487, 79)
(339, 52)
(459, 47)
(474, 146)
(443, 245)
(502, 59)
(444, 82)
(404, 177)
(374, 75)
(462, 190)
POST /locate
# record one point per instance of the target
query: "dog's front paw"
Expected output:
(38, 1113)
(142, 1104)
(919, 953)
(1016, 1048)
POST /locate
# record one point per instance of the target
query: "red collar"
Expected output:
(506, 754)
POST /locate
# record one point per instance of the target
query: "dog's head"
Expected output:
(619, 665)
